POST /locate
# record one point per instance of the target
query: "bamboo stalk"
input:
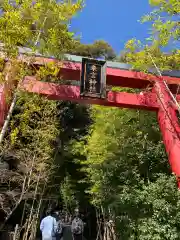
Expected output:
(32, 208)
(6, 123)
(7, 72)
(37, 213)
(15, 232)
(28, 184)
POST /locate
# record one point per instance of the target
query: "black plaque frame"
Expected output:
(102, 81)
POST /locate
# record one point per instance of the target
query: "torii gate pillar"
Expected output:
(170, 127)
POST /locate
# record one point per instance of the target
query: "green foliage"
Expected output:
(74, 120)
(67, 193)
(99, 49)
(149, 212)
(165, 30)
(129, 175)
(49, 72)
(165, 20)
(39, 24)
(122, 134)
(141, 57)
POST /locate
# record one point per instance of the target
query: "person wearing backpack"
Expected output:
(77, 228)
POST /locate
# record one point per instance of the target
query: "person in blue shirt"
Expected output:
(48, 227)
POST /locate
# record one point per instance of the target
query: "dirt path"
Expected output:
(67, 233)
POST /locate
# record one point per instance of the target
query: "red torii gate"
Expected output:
(158, 100)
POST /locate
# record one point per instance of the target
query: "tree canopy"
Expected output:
(41, 25)
(165, 32)
(99, 49)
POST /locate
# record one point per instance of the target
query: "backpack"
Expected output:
(59, 228)
(77, 226)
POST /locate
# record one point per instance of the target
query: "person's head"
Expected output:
(54, 214)
(48, 212)
(76, 213)
(57, 213)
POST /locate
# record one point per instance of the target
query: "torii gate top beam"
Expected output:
(118, 74)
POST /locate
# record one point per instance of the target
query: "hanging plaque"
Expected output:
(93, 78)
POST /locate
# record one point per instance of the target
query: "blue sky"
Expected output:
(114, 21)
